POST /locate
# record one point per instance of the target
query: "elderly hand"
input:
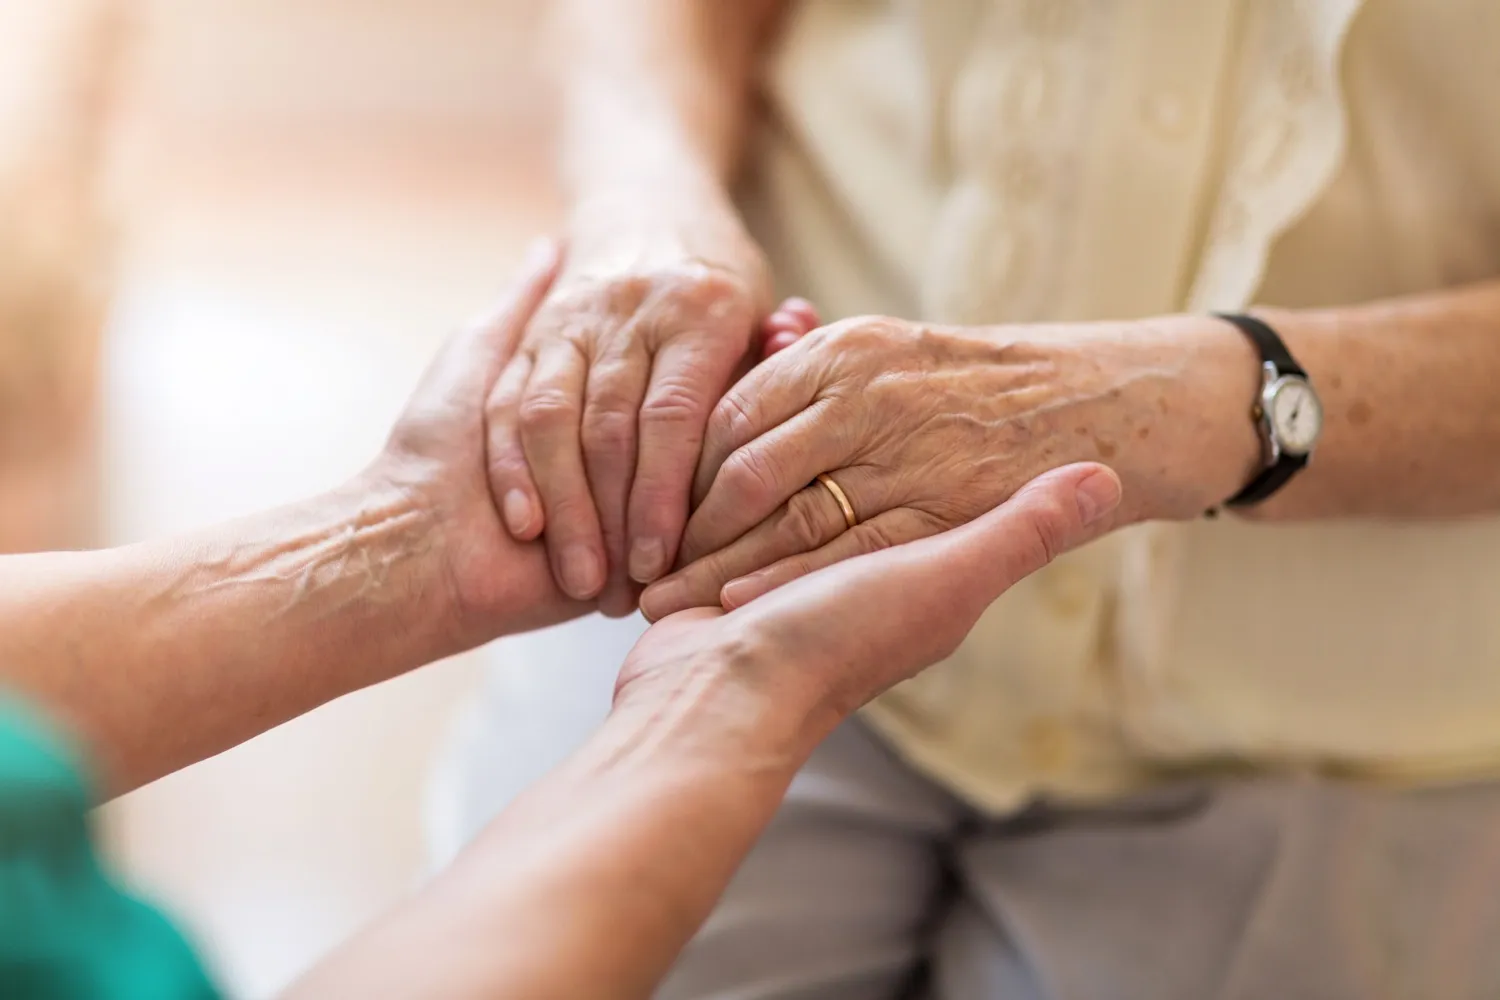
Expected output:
(595, 427)
(815, 651)
(925, 427)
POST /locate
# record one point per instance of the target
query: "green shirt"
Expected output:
(66, 930)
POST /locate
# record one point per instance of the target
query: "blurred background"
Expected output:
(231, 234)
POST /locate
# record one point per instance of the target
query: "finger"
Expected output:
(616, 386)
(777, 343)
(794, 316)
(767, 396)
(910, 605)
(805, 523)
(467, 365)
(883, 531)
(803, 310)
(686, 378)
(779, 323)
(763, 475)
(781, 330)
(551, 415)
(514, 493)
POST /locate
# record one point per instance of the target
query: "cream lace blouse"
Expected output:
(984, 161)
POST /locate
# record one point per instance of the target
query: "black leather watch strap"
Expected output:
(1268, 482)
(1267, 341)
(1272, 350)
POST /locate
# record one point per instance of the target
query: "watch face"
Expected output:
(1296, 415)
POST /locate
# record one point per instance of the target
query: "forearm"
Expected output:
(1409, 390)
(1407, 386)
(162, 653)
(592, 882)
(1410, 426)
(656, 93)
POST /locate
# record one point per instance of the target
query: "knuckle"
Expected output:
(608, 430)
(749, 474)
(734, 419)
(876, 535)
(722, 285)
(672, 401)
(591, 296)
(723, 294)
(609, 389)
(704, 285)
(863, 333)
(800, 524)
(623, 294)
(696, 296)
(709, 574)
(1049, 532)
(548, 410)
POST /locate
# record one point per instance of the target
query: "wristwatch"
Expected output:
(1287, 413)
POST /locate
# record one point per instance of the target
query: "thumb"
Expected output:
(471, 360)
(882, 617)
(1053, 514)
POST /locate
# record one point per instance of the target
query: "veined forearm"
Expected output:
(163, 653)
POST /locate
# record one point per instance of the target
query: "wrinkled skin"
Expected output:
(926, 427)
(595, 427)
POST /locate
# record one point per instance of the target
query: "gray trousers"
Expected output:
(873, 882)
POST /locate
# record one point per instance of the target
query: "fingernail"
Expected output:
(1098, 495)
(658, 599)
(582, 574)
(738, 593)
(648, 557)
(516, 508)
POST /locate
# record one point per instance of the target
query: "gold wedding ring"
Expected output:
(841, 497)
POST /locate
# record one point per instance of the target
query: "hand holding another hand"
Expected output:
(923, 428)
(594, 428)
(811, 653)
(436, 460)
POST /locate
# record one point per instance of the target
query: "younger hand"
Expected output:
(817, 649)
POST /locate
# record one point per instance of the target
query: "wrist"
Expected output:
(662, 223)
(1205, 445)
(723, 709)
(623, 148)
